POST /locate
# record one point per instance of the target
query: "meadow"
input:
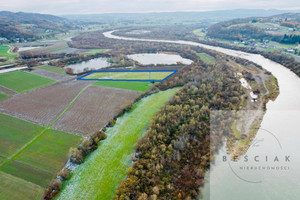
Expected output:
(130, 75)
(128, 85)
(98, 177)
(4, 52)
(21, 81)
(207, 58)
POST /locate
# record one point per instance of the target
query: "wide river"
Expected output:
(272, 170)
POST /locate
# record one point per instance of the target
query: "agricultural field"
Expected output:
(128, 85)
(11, 139)
(207, 58)
(43, 105)
(21, 81)
(51, 75)
(93, 109)
(26, 160)
(130, 75)
(3, 96)
(4, 52)
(54, 69)
(98, 177)
(12, 188)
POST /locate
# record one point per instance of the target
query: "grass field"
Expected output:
(3, 96)
(94, 51)
(129, 75)
(12, 188)
(54, 69)
(50, 151)
(14, 133)
(4, 52)
(21, 81)
(207, 58)
(98, 177)
(31, 156)
(128, 85)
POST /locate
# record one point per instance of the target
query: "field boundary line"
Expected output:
(28, 144)
(68, 106)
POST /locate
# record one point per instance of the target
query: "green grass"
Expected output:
(207, 58)
(12, 188)
(128, 85)
(98, 177)
(28, 173)
(4, 52)
(3, 96)
(94, 51)
(14, 133)
(54, 69)
(21, 81)
(50, 151)
(129, 75)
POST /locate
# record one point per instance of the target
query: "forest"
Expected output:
(171, 159)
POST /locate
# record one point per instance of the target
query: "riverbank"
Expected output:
(99, 176)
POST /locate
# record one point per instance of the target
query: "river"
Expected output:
(278, 137)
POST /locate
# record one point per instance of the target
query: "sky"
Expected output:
(62, 7)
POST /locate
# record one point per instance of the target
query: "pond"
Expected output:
(93, 64)
(159, 59)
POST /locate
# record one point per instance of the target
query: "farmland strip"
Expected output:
(19, 151)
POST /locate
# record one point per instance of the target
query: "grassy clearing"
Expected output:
(3, 96)
(98, 177)
(207, 58)
(94, 51)
(4, 52)
(14, 133)
(21, 81)
(50, 151)
(128, 85)
(12, 188)
(129, 75)
(54, 69)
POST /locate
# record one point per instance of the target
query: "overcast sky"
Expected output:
(60, 7)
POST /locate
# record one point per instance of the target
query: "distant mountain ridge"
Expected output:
(31, 26)
(177, 17)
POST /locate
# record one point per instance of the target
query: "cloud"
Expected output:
(109, 6)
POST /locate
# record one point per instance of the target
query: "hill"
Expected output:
(283, 28)
(22, 26)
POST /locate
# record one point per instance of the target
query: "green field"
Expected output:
(14, 133)
(54, 69)
(3, 96)
(31, 154)
(98, 177)
(50, 151)
(129, 75)
(21, 81)
(94, 51)
(207, 58)
(128, 85)
(4, 52)
(12, 188)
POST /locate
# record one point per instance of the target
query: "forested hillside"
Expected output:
(30, 26)
(282, 28)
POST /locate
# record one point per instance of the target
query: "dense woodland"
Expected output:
(171, 159)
